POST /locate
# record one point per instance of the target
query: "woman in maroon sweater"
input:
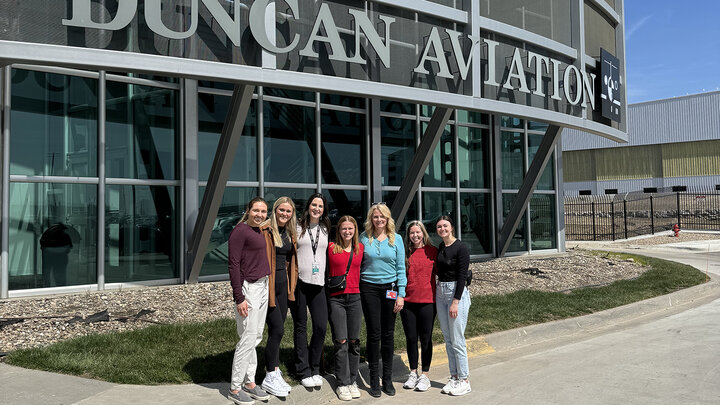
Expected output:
(249, 270)
(418, 316)
(345, 257)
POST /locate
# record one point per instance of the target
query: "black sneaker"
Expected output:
(388, 389)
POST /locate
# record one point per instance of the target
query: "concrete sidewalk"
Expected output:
(22, 386)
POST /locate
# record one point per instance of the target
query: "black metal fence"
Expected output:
(614, 217)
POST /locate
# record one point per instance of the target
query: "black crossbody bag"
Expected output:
(339, 283)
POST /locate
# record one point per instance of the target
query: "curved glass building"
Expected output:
(134, 132)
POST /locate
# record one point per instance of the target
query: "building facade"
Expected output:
(133, 133)
(674, 145)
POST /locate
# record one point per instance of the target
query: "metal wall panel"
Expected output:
(681, 119)
(691, 159)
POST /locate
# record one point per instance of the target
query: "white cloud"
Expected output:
(637, 26)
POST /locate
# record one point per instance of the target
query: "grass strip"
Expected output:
(203, 352)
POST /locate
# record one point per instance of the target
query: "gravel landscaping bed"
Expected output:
(42, 321)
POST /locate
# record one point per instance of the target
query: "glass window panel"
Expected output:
(412, 212)
(441, 169)
(298, 195)
(289, 143)
(231, 210)
(546, 179)
(427, 110)
(346, 202)
(142, 132)
(518, 243)
(212, 111)
(436, 205)
(549, 18)
(542, 222)
(398, 149)
(140, 233)
(512, 122)
(599, 31)
(512, 150)
(472, 117)
(474, 159)
(53, 235)
(345, 101)
(343, 148)
(476, 220)
(287, 93)
(53, 125)
(397, 107)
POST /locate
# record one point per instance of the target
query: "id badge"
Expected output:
(315, 268)
(391, 295)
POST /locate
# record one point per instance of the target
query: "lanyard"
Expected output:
(314, 241)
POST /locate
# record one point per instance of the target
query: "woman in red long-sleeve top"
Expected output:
(418, 315)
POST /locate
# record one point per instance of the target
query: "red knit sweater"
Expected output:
(421, 273)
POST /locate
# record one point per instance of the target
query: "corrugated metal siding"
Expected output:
(691, 159)
(681, 119)
(579, 166)
(638, 162)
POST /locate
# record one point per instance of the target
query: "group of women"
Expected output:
(279, 262)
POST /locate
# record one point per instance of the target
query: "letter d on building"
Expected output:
(81, 15)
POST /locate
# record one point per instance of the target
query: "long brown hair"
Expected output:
(409, 248)
(249, 206)
(340, 242)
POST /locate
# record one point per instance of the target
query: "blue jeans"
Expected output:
(453, 329)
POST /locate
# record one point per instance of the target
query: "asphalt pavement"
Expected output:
(660, 351)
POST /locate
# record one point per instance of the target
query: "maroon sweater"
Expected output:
(247, 258)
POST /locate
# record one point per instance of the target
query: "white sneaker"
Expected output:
(318, 380)
(343, 393)
(423, 383)
(448, 387)
(411, 381)
(282, 381)
(273, 386)
(354, 391)
(308, 382)
(461, 387)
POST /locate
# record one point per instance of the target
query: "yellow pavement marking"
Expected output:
(476, 346)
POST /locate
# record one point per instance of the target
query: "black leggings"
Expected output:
(275, 320)
(307, 357)
(380, 325)
(418, 320)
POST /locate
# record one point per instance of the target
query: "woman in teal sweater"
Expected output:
(382, 292)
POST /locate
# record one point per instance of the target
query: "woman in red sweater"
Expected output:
(418, 316)
(344, 258)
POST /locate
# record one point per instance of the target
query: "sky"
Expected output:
(672, 48)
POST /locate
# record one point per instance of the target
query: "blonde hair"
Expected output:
(409, 248)
(340, 242)
(290, 225)
(389, 228)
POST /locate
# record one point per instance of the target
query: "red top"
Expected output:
(337, 265)
(421, 273)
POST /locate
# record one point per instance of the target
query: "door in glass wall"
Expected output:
(518, 242)
(140, 233)
(52, 235)
(543, 232)
(475, 221)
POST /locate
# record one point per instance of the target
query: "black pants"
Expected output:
(418, 320)
(307, 357)
(380, 325)
(275, 320)
(345, 318)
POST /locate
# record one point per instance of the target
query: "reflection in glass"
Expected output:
(546, 179)
(341, 100)
(53, 235)
(397, 107)
(472, 117)
(398, 149)
(549, 18)
(542, 221)
(287, 93)
(142, 131)
(232, 207)
(346, 202)
(518, 243)
(473, 147)
(435, 205)
(140, 233)
(289, 143)
(412, 212)
(212, 111)
(298, 195)
(441, 171)
(475, 218)
(53, 123)
(512, 150)
(343, 150)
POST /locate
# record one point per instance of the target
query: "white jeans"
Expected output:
(250, 331)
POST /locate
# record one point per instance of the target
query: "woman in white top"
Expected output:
(312, 246)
